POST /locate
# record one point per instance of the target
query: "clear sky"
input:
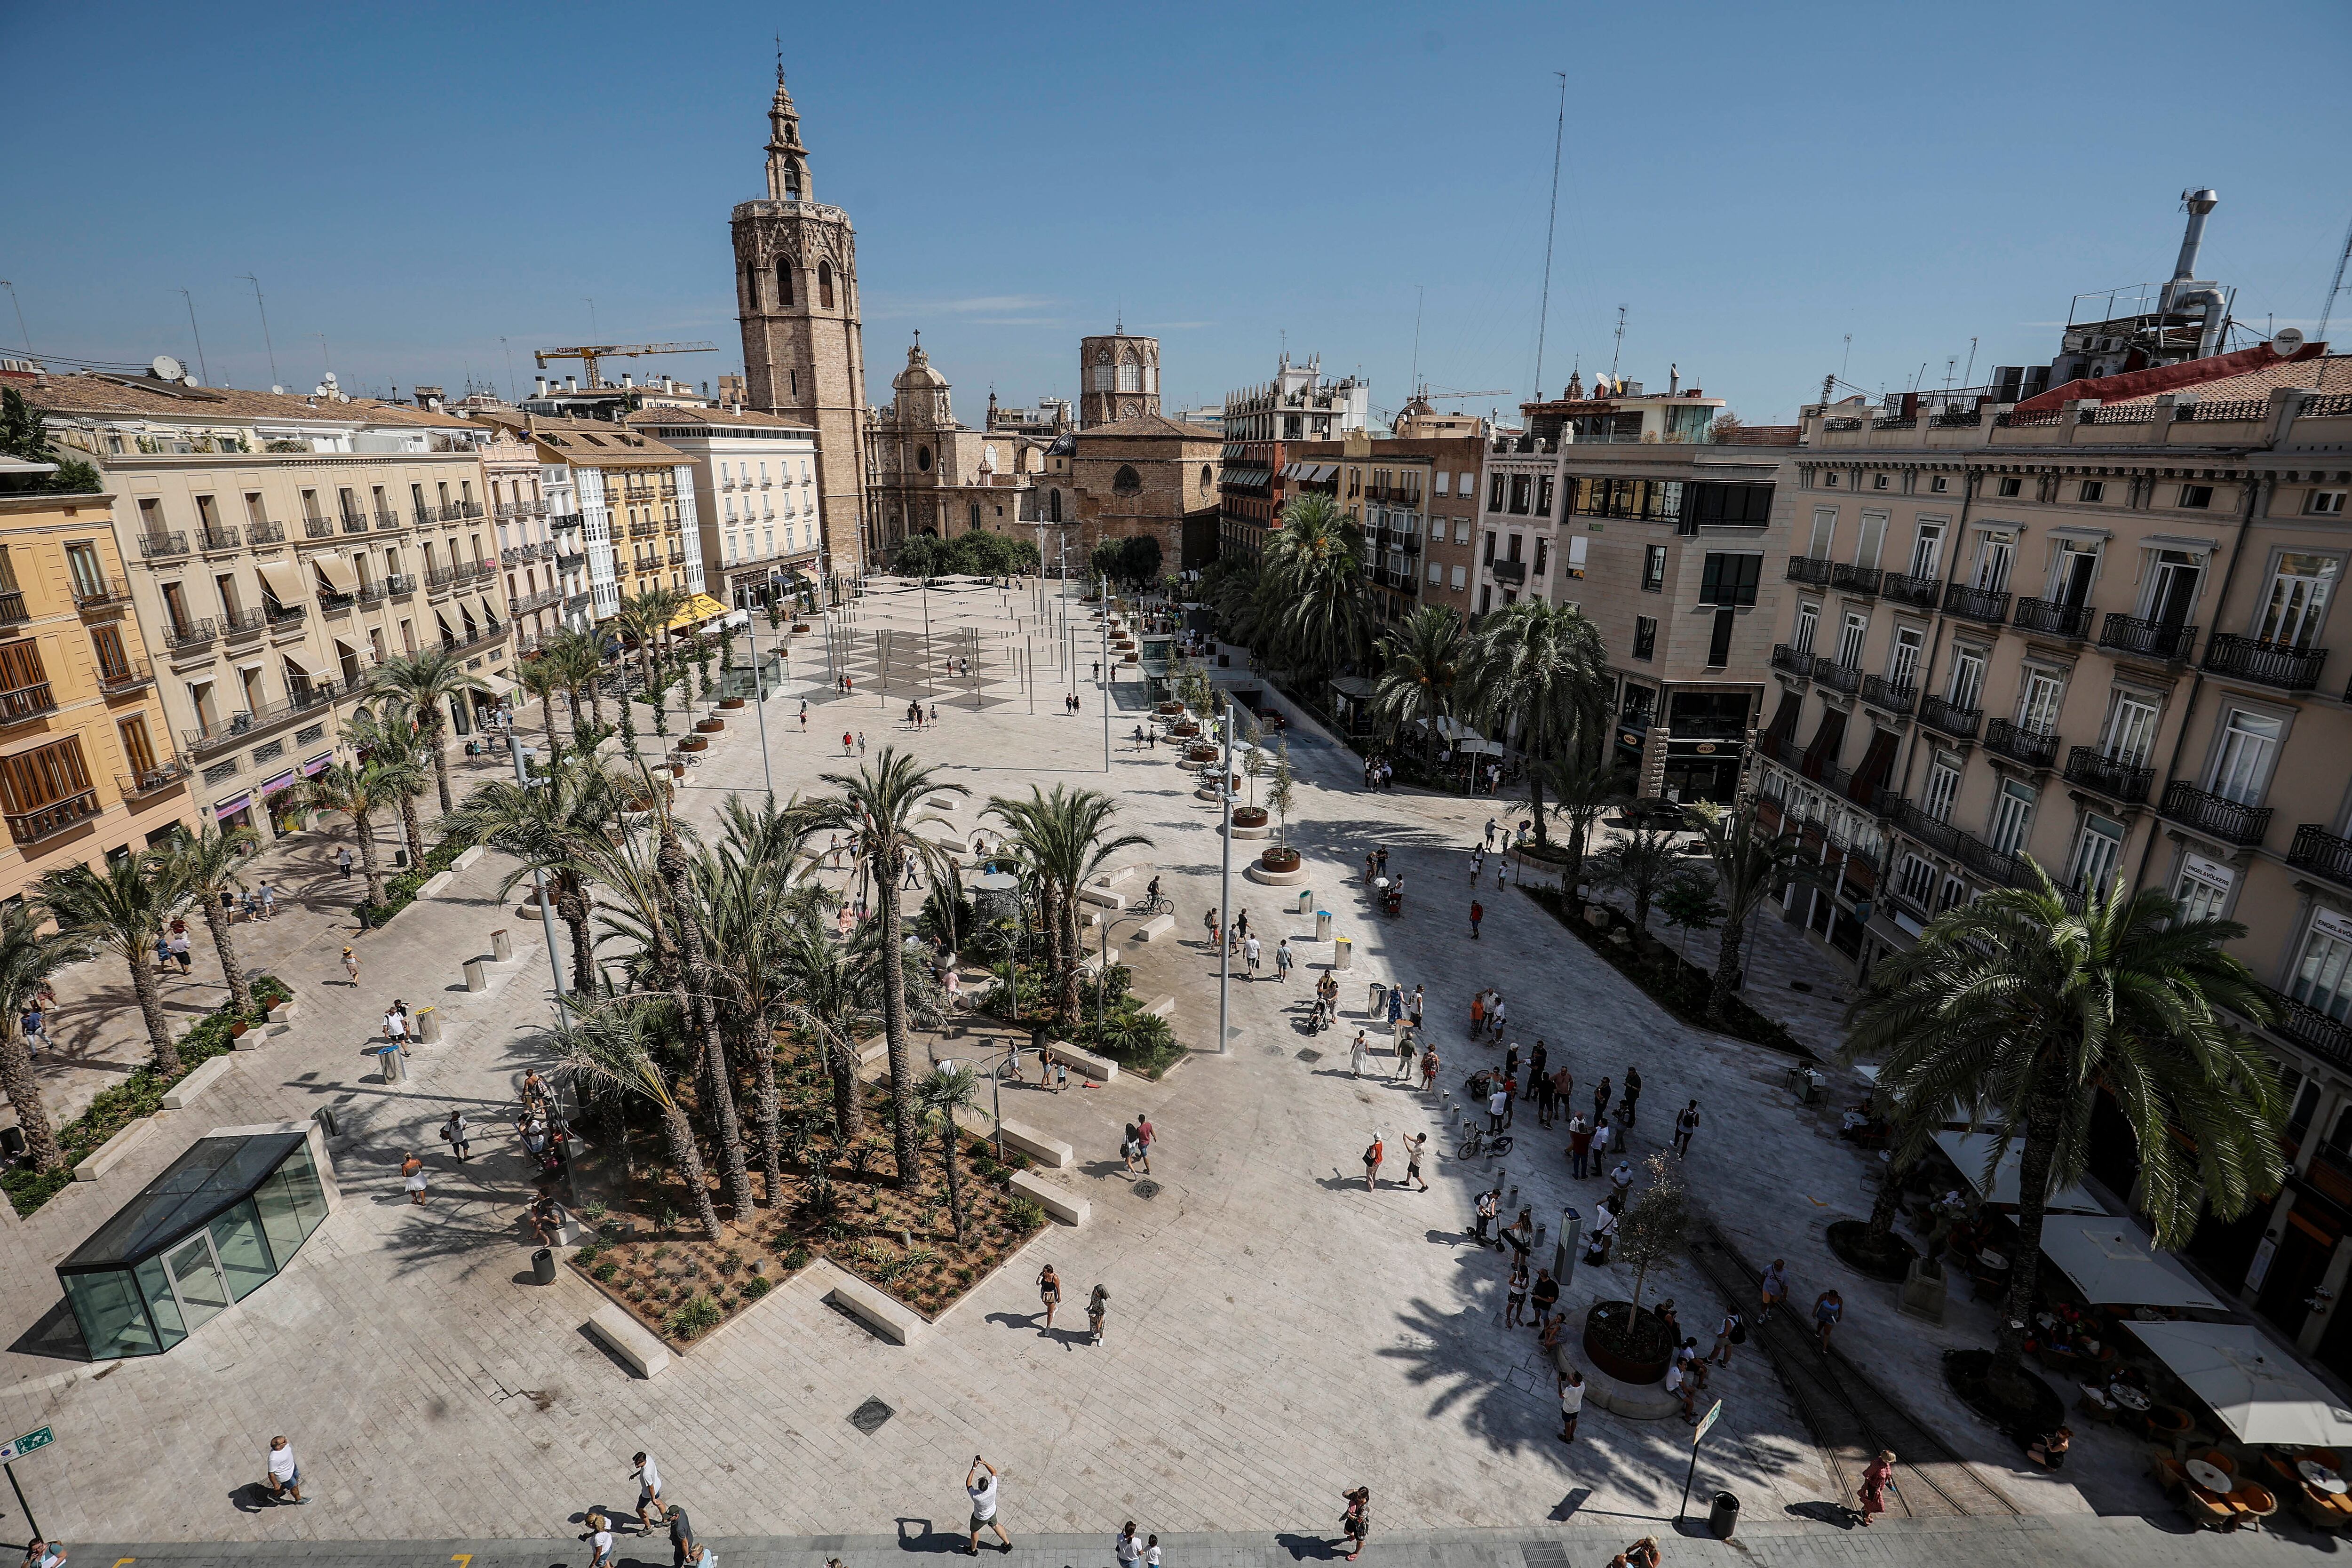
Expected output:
(1751, 183)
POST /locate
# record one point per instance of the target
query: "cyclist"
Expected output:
(1151, 893)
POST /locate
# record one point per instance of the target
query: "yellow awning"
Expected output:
(700, 608)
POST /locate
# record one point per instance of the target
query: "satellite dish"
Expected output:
(166, 368)
(2286, 340)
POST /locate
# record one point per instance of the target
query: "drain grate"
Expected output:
(1147, 1189)
(1544, 1553)
(1309, 1055)
(870, 1417)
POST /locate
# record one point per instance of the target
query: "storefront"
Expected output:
(284, 817)
(233, 813)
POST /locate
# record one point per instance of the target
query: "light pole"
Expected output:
(538, 878)
(1103, 626)
(1102, 968)
(760, 704)
(1225, 880)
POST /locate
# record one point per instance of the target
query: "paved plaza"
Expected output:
(1276, 1333)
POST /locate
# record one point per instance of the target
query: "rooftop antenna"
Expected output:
(510, 380)
(265, 343)
(1848, 358)
(1949, 361)
(1418, 292)
(2326, 306)
(28, 336)
(593, 329)
(1969, 374)
(204, 369)
(1551, 226)
(324, 357)
(1615, 351)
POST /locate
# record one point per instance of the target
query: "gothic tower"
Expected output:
(803, 354)
(1119, 377)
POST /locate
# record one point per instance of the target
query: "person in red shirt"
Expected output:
(1477, 913)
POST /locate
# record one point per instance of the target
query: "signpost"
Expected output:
(1698, 1435)
(15, 1449)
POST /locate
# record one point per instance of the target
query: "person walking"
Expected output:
(1876, 1479)
(1404, 1055)
(351, 967)
(1145, 1136)
(981, 1489)
(1580, 1147)
(1632, 1092)
(1129, 1150)
(1546, 1298)
(599, 1537)
(1129, 1547)
(1732, 1332)
(1828, 1308)
(1572, 1403)
(1429, 1069)
(1356, 1524)
(1772, 1290)
(1049, 1295)
(1498, 1105)
(1097, 1308)
(343, 861)
(1355, 1056)
(681, 1537)
(285, 1482)
(1488, 1205)
(454, 1134)
(1514, 1297)
(1685, 1124)
(395, 1030)
(1413, 1148)
(412, 1176)
(1374, 1153)
(1282, 961)
(1250, 948)
(1477, 913)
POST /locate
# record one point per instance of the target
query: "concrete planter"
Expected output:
(708, 726)
(693, 743)
(1257, 872)
(1249, 816)
(731, 703)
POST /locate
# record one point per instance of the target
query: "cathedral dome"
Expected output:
(919, 376)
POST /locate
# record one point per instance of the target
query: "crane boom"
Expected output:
(589, 353)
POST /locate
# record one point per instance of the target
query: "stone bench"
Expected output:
(109, 1154)
(630, 1339)
(1107, 878)
(1094, 1066)
(1044, 1148)
(183, 1094)
(1058, 1202)
(1162, 1006)
(877, 1311)
(1103, 898)
(435, 883)
(1155, 928)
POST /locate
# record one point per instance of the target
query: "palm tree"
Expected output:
(1537, 671)
(423, 682)
(1639, 864)
(29, 960)
(1319, 609)
(1750, 866)
(830, 1000)
(559, 828)
(942, 1093)
(2018, 1002)
(1065, 839)
(880, 807)
(203, 867)
(1420, 672)
(358, 790)
(394, 747)
(543, 680)
(122, 910)
(576, 654)
(646, 617)
(614, 1046)
(1583, 790)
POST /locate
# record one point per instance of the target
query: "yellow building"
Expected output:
(87, 767)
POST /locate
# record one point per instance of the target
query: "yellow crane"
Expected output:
(589, 353)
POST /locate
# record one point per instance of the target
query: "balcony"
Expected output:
(470, 508)
(219, 733)
(317, 528)
(332, 603)
(2208, 813)
(2019, 744)
(1992, 865)
(1844, 677)
(400, 584)
(48, 821)
(1789, 661)
(575, 563)
(191, 636)
(389, 518)
(2129, 634)
(1809, 569)
(106, 595)
(1886, 697)
(134, 786)
(425, 516)
(2312, 1029)
(372, 593)
(217, 539)
(129, 678)
(2072, 622)
(1940, 837)
(12, 605)
(538, 601)
(1855, 579)
(1975, 604)
(1508, 571)
(2103, 774)
(1920, 592)
(26, 703)
(260, 533)
(158, 546)
(466, 644)
(452, 512)
(242, 623)
(1940, 714)
(560, 521)
(2321, 853)
(355, 522)
(2265, 663)
(284, 618)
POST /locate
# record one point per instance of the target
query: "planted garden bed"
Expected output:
(1630, 1346)
(1672, 982)
(1277, 858)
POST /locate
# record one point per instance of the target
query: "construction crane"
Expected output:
(589, 353)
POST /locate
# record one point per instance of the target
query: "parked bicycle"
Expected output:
(1481, 1141)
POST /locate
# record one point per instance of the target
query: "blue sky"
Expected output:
(1751, 183)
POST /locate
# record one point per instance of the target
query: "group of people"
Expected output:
(1379, 774)
(1049, 1296)
(918, 718)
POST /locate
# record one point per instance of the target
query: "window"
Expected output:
(783, 281)
(1878, 481)
(1489, 557)
(1461, 530)
(1824, 532)
(2012, 817)
(2131, 731)
(1437, 574)
(2037, 706)
(2071, 573)
(1830, 480)
(1851, 637)
(1654, 569)
(1903, 667)
(922, 462)
(113, 664)
(2203, 889)
(1718, 643)
(2010, 485)
(1645, 637)
(1808, 620)
(1943, 783)
(1130, 377)
(2196, 498)
(1494, 493)
(1996, 552)
(1522, 493)
(2098, 845)
(2323, 503)
(1730, 579)
(1438, 487)
(1543, 495)
(89, 573)
(1967, 684)
(1461, 576)
(1927, 551)
(1542, 551)
(1873, 538)
(2323, 976)
(2091, 490)
(2241, 770)
(1208, 479)
(1916, 880)
(1127, 481)
(1939, 483)
(137, 749)
(2298, 601)
(45, 788)
(824, 284)
(1716, 505)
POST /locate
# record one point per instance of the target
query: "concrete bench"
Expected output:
(109, 1154)
(880, 1312)
(630, 1339)
(1107, 878)
(1059, 1202)
(1086, 1062)
(465, 861)
(1103, 898)
(435, 883)
(1163, 1006)
(183, 1094)
(1155, 928)
(1041, 1147)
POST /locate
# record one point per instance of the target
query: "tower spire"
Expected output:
(788, 172)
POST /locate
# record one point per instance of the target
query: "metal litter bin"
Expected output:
(1306, 899)
(1322, 925)
(543, 1267)
(1723, 1516)
(1343, 953)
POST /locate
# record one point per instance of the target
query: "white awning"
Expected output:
(279, 576)
(336, 568)
(2111, 1266)
(2258, 1390)
(1969, 1151)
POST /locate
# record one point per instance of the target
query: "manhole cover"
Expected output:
(869, 1417)
(1147, 1189)
(1310, 1056)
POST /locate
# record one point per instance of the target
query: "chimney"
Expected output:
(2199, 202)
(571, 383)
(542, 390)
(627, 379)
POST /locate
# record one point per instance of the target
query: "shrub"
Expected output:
(661, 1292)
(697, 1316)
(586, 1256)
(1026, 1215)
(797, 1257)
(729, 1261)
(605, 1270)
(755, 1286)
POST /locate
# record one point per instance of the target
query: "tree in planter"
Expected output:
(726, 654)
(1282, 793)
(30, 959)
(1688, 902)
(1651, 1230)
(614, 1048)
(1750, 866)
(202, 869)
(2018, 1002)
(559, 827)
(1638, 865)
(1583, 793)
(945, 1091)
(122, 910)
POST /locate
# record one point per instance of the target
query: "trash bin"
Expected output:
(1343, 953)
(542, 1273)
(1305, 901)
(1322, 925)
(1723, 1516)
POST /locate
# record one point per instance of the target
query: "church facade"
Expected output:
(927, 473)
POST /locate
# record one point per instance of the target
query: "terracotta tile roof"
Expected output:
(600, 444)
(1149, 425)
(2328, 373)
(750, 417)
(86, 393)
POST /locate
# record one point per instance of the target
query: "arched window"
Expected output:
(1127, 481)
(1053, 506)
(923, 458)
(1207, 479)
(824, 284)
(975, 516)
(784, 280)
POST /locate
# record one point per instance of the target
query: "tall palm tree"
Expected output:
(576, 653)
(543, 680)
(2017, 1002)
(943, 1092)
(1640, 863)
(423, 682)
(122, 910)
(614, 1046)
(394, 747)
(203, 867)
(646, 617)
(1421, 671)
(829, 998)
(881, 808)
(1064, 837)
(358, 790)
(559, 828)
(1320, 609)
(1537, 672)
(1583, 791)
(1750, 866)
(29, 961)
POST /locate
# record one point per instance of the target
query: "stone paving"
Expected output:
(1276, 1334)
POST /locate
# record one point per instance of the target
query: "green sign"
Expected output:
(1704, 1422)
(40, 1438)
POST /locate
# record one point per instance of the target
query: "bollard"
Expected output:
(1515, 1197)
(501, 946)
(1563, 1255)
(428, 1025)
(1322, 925)
(477, 979)
(1343, 953)
(1305, 901)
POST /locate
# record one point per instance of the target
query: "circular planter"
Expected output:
(708, 726)
(1130, 658)
(1201, 753)
(1290, 879)
(1893, 1266)
(1282, 858)
(1249, 816)
(1241, 832)
(693, 743)
(1184, 732)
(1169, 708)
(1966, 1371)
(731, 703)
(1640, 1362)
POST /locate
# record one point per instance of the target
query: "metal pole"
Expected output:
(759, 706)
(31, 1525)
(1029, 674)
(1225, 887)
(927, 637)
(1104, 626)
(538, 878)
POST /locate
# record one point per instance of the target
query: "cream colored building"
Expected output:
(755, 494)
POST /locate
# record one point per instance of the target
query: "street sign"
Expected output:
(1704, 1422)
(19, 1447)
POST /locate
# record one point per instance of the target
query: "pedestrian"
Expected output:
(33, 1026)
(649, 1502)
(1685, 1123)
(1642, 1554)
(1061, 1076)
(1249, 946)
(1773, 1291)
(1515, 1300)
(1477, 913)
(1374, 1153)
(1209, 924)
(1497, 1012)
(1489, 842)
(268, 901)
(1537, 1060)
(1511, 1059)
(1098, 1308)
(41, 1553)
(1498, 1105)
(351, 967)
(848, 742)
(1477, 864)
(1601, 1102)
(1357, 1524)
(1429, 1069)
(1678, 1386)
(284, 1483)
(1621, 1177)
(1477, 1014)
(1603, 1232)
(1151, 1552)
(1405, 1053)
(1546, 1298)
(1733, 1331)
(1129, 1149)
(1510, 1099)
(599, 1537)
(1145, 1136)
(1602, 1136)
(1579, 1145)
(396, 1029)
(1545, 1095)
(1414, 1009)
(1632, 1092)
(861, 743)
(1355, 1056)
(1395, 1006)
(983, 1492)
(1413, 1148)
(1129, 1547)
(453, 1132)
(681, 1537)
(1828, 1308)
(343, 861)
(1282, 961)
(1487, 1207)
(1875, 1482)
(412, 1176)
(1049, 1294)
(1572, 1403)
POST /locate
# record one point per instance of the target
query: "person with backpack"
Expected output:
(1734, 1331)
(1374, 1153)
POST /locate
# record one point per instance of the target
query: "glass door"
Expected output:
(196, 1280)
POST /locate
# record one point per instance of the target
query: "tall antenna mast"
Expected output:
(203, 368)
(265, 343)
(2328, 306)
(1968, 375)
(1615, 352)
(1551, 227)
(1418, 293)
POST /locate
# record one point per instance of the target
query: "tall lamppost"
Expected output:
(1225, 878)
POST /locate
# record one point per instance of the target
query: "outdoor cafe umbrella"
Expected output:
(2111, 1266)
(2254, 1387)
(1968, 1151)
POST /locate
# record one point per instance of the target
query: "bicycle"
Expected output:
(1162, 905)
(1481, 1141)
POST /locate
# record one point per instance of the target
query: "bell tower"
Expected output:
(803, 349)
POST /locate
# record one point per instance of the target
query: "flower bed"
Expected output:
(1278, 858)
(1674, 983)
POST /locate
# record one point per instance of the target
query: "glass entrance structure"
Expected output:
(216, 1226)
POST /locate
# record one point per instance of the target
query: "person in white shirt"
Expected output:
(982, 1492)
(1497, 1104)
(599, 1538)
(1151, 1552)
(1127, 1548)
(284, 1474)
(648, 1479)
(1571, 1403)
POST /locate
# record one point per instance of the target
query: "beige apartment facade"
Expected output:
(755, 490)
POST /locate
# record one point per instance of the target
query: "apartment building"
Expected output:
(88, 768)
(2092, 630)
(1415, 498)
(536, 587)
(278, 549)
(755, 495)
(620, 507)
(1264, 429)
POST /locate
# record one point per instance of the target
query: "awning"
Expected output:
(280, 578)
(496, 685)
(2113, 1266)
(1449, 730)
(336, 568)
(2255, 1388)
(698, 609)
(1969, 1151)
